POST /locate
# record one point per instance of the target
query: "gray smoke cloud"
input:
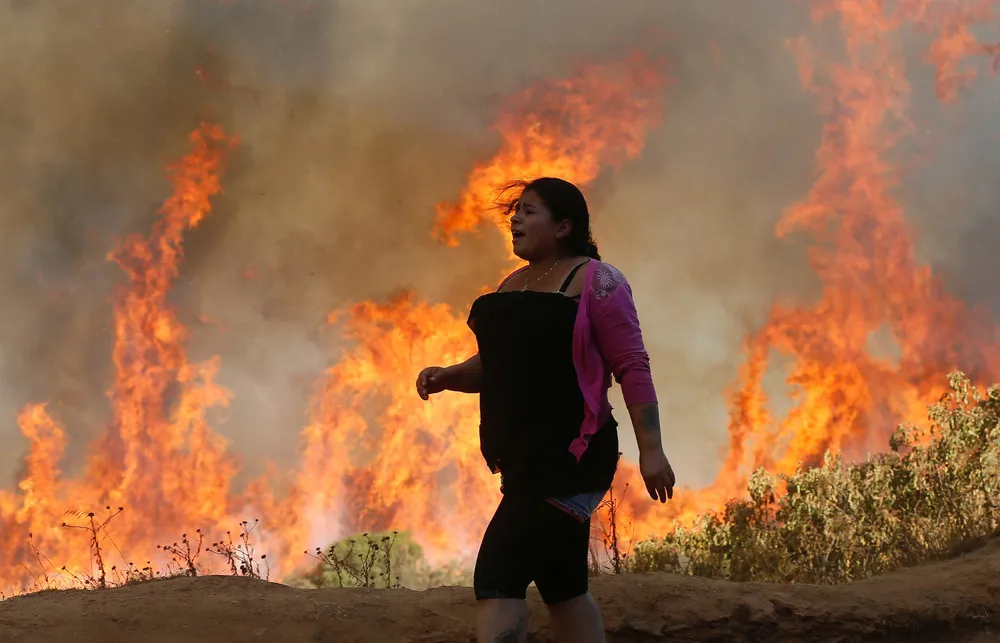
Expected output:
(355, 118)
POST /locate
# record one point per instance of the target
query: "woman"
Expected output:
(549, 341)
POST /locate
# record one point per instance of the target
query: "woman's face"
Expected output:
(534, 235)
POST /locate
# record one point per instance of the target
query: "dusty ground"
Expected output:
(944, 602)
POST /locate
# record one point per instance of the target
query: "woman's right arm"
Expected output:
(466, 377)
(463, 378)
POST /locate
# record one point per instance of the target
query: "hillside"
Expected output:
(955, 600)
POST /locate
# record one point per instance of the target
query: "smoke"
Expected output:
(355, 119)
(94, 100)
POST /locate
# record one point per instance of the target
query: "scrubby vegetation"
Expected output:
(237, 553)
(382, 560)
(933, 495)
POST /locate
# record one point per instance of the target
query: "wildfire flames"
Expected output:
(376, 457)
(572, 128)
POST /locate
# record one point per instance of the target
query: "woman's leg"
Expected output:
(577, 620)
(563, 575)
(503, 574)
(502, 620)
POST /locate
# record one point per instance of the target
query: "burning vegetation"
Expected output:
(415, 466)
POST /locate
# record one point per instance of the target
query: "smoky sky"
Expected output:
(354, 119)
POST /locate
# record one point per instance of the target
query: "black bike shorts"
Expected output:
(528, 540)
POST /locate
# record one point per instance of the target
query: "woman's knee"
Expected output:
(577, 619)
(503, 620)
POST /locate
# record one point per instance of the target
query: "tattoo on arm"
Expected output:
(650, 418)
(646, 423)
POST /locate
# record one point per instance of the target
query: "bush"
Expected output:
(931, 496)
(385, 560)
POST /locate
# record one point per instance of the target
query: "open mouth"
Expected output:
(516, 234)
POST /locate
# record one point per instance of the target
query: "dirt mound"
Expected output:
(955, 600)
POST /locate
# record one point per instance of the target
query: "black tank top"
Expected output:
(531, 406)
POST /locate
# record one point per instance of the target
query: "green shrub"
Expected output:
(384, 560)
(931, 496)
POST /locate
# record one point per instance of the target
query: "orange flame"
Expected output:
(159, 457)
(374, 456)
(571, 128)
(872, 352)
(955, 42)
(418, 465)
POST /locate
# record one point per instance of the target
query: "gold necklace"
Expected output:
(528, 282)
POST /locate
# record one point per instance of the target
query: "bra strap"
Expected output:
(569, 277)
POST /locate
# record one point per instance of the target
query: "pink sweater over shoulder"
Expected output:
(607, 341)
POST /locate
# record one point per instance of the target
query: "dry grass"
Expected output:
(183, 558)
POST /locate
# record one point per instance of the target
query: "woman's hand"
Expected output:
(653, 464)
(430, 381)
(657, 474)
(462, 378)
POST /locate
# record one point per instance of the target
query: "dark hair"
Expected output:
(565, 201)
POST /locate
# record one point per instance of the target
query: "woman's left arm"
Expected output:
(619, 338)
